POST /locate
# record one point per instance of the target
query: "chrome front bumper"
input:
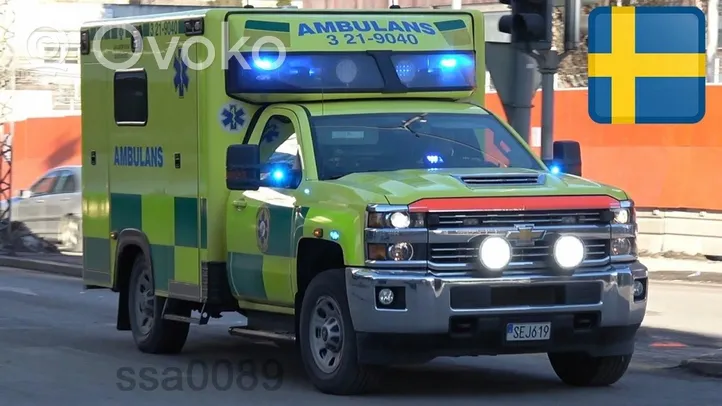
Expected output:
(428, 305)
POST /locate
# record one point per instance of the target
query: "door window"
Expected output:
(67, 184)
(280, 154)
(45, 185)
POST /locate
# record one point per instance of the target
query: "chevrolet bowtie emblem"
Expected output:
(525, 234)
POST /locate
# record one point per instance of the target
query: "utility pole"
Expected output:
(530, 26)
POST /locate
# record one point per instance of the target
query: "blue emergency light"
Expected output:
(352, 72)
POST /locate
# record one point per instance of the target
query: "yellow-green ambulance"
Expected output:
(334, 177)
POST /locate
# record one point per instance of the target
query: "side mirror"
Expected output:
(25, 194)
(243, 169)
(567, 158)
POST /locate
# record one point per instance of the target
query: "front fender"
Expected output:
(343, 226)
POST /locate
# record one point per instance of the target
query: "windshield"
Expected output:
(346, 144)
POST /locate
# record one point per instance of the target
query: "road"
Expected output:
(59, 346)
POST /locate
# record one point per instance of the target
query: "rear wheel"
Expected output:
(70, 234)
(578, 369)
(328, 340)
(151, 333)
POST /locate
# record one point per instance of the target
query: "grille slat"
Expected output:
(511, 218)
(502, 179)
(451, 253)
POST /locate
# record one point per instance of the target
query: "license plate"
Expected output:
(528, 331)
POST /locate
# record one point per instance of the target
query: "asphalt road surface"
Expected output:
(59, 346)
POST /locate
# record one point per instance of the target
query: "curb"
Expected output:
(38, 265)
(691, 277)
(707, 366)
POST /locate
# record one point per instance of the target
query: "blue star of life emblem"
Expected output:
(233, 117)
(180, 79)
(263, 228)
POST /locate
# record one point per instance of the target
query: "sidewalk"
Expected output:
(660, 268)
(62, 264)
(708, 365)
(683, 270)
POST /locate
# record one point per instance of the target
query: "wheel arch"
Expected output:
(131, 243)
(314, 256)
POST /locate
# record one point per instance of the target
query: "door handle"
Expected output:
(40, 201)
(240, 204)
(65, 199)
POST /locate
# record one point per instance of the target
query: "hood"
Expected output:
(407, 186)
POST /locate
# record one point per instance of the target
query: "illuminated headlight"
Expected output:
(494, 253)
(568, 251)
(397, 219)
(400, 220)
(621, 216)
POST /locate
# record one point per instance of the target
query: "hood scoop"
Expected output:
(502, 179)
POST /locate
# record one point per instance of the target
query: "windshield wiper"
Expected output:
(406, 126)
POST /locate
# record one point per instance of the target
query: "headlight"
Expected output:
(625, 213)
(622, 246)
(400, 220)
(568, 251)
(494, 253)
(400, 251)
(397, 219)
(621, 216)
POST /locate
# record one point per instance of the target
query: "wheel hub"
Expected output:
(326, 335)
(144, 303)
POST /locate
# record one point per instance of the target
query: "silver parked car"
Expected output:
(52, 207)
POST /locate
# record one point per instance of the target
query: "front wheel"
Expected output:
(70, 234)
(579, 369)
(327, 339)
(152, 334)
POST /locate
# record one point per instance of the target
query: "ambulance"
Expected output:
(334, 177)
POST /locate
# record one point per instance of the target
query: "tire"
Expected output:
(349, 377)
(577, 369)
(162, 336)
(70, 234)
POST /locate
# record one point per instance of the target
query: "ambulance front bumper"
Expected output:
(427, 303)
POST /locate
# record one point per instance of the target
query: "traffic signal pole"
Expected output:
(548, 62)
(530, 26)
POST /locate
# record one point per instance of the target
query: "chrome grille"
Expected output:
(466, 253)
(511, 218)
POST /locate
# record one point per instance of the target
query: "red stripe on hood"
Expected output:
(514, 203)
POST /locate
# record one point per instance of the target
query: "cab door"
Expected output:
(261, 223)
(33, 210)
